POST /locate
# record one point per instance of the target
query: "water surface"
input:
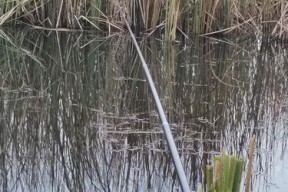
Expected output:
(77, 113)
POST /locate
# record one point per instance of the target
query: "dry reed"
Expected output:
(200, 17)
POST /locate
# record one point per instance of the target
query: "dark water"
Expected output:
(76, 113)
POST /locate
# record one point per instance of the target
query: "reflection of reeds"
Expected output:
(268, 17)
(82, 119)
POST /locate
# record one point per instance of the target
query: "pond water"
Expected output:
(76, 112)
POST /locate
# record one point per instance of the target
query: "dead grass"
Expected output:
(201, 17)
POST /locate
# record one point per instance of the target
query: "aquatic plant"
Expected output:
(226, 174)
(200, 17)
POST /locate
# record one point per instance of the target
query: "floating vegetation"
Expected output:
(174, 17)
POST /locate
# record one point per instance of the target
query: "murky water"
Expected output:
(77, 114)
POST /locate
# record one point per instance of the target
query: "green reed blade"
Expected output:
(209, 176)
(238, 175)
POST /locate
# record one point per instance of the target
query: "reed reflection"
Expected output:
(77, 114)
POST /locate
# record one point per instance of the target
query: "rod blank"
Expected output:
(165, 124)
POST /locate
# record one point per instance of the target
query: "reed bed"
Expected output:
(170, 17)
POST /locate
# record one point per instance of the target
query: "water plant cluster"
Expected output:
(148, 16)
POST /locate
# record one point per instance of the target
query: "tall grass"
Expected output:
(146, 16)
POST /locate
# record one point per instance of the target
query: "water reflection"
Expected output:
(77, 115)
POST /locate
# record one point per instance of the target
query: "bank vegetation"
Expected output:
(169, 17)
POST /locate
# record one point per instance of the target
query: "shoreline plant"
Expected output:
(147, 16)
(226, 173)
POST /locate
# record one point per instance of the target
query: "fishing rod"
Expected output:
(165, 124)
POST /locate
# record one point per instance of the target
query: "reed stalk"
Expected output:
(172, 16)
(200, 17)
(250, 164)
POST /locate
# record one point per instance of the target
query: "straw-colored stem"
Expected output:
(250, 164)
